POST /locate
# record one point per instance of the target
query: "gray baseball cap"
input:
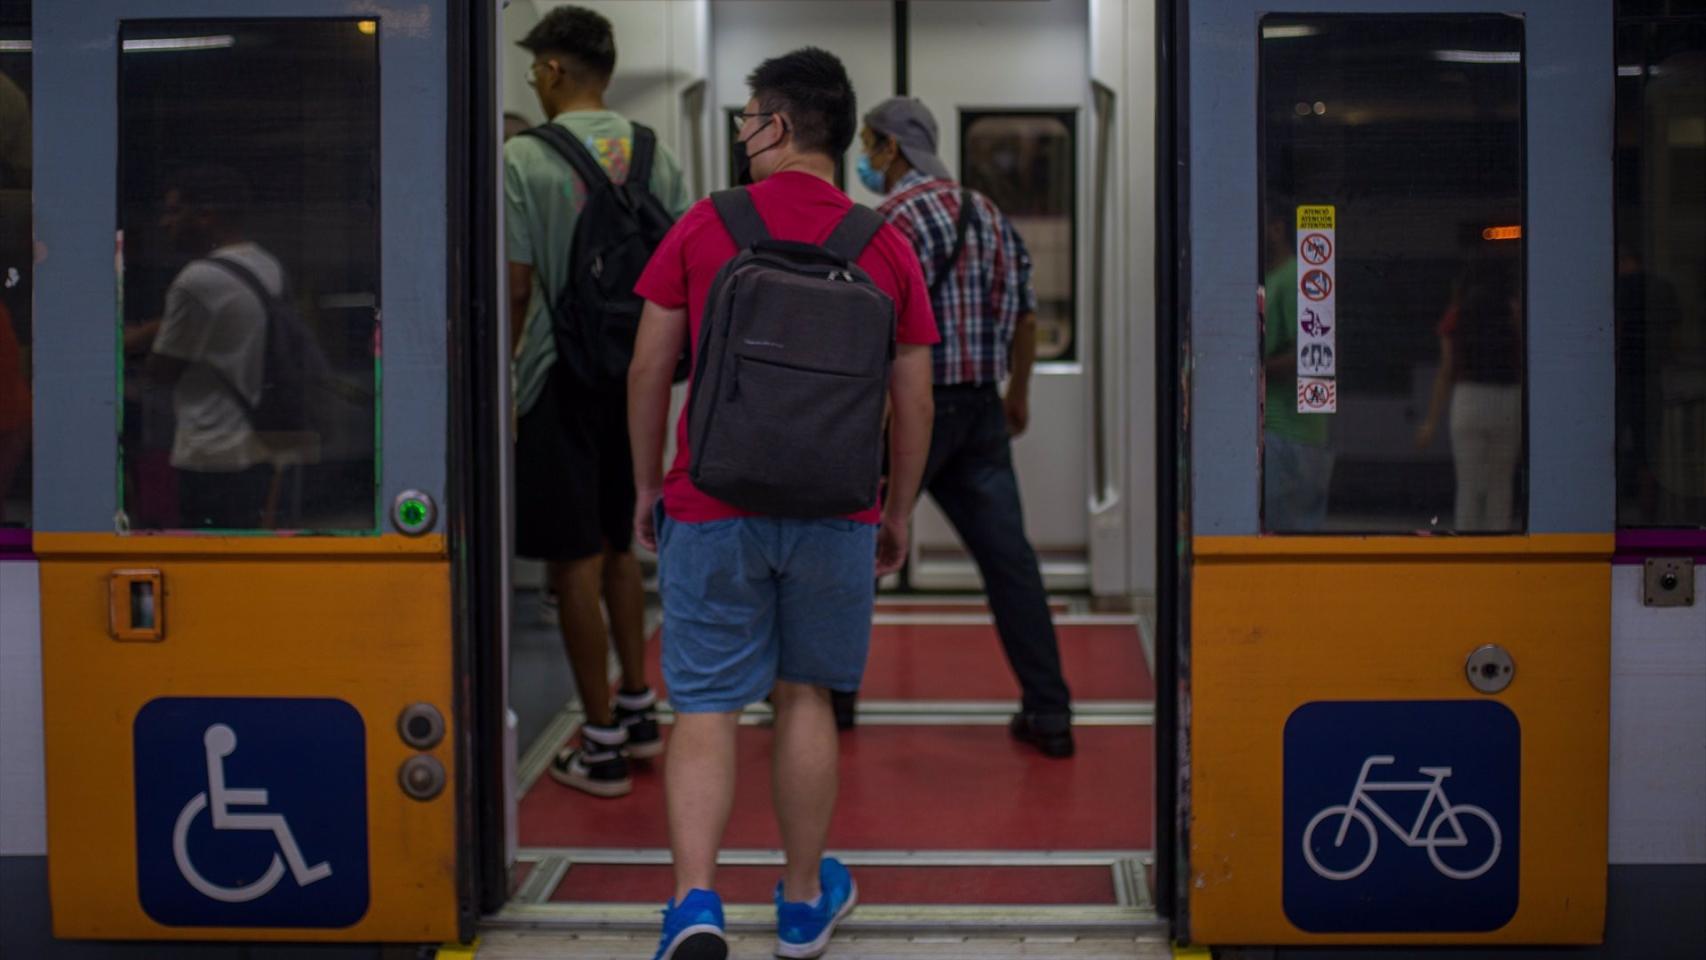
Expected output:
(909, 122)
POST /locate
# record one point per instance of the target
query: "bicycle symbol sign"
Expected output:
(1402, 816)
(1450, 816)
(251, 812)
(1316, 285)
(1317, 249)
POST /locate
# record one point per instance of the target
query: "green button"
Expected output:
(413, 513)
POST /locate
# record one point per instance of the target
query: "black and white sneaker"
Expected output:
(637, 713)
(598, 766)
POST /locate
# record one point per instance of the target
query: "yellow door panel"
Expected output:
(1288, 634)
(281, 669)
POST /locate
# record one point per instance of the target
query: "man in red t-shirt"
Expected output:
(757, 605)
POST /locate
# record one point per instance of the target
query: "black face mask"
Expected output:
(743, 163)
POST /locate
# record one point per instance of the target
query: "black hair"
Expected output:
(811, 86)
(215, 189)
(579, 35)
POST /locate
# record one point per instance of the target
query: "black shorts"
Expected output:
(574, 478)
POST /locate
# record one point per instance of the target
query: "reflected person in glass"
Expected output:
(210, 351)
(1480, 367)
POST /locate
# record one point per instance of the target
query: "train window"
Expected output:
(16, 260)
(1391, 288)
(1027, 163)
(248, 253)
(1661, 290)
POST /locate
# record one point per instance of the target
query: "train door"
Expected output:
(1028, 97)
(1399, 615)
(242, 512)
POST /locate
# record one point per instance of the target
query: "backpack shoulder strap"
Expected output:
(735, 208)
(644, 150)
(585, 165)
(960, 228)
(248, 278)
(854, 232)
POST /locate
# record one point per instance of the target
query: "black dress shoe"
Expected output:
(1053, 743)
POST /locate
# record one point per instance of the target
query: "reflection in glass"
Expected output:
(1661, 286)
(1026, 163)
(248, 252)
(1410, 128)
(16, 262)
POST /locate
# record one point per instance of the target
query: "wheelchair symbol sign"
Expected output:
(251, 812)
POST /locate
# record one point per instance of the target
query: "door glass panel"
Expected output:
(1392, 274)
(248, 260)
(1027, 163)
(16, 260)
(1661, 286)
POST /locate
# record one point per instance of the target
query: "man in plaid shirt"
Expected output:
(979, 274)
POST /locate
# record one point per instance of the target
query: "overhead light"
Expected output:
(1502, 233)
(367, 27)
(1289, 31)
(1478, 56)
(163, 44)
(14, 46)
(1633, 71)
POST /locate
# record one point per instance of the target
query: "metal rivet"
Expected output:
(421, 777)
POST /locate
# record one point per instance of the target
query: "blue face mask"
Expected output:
(870, 177)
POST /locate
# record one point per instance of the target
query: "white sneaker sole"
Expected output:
(808, 951)
(598, 788)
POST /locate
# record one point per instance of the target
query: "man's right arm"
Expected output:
(518, 242)
(657, 346)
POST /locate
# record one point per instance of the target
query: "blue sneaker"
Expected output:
(803, 930)
(694, 929)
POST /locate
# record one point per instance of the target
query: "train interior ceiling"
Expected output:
(1470, 521)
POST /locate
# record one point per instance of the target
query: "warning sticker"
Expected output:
(1317, 283)
(1317, 395)
(1318, 217)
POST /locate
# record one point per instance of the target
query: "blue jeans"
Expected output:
(970, 476)
(753, 600)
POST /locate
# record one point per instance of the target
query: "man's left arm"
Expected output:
(1023, 347)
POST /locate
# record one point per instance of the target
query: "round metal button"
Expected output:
(421, 726)
(421, 777)
(1490, 668)
(413, 513)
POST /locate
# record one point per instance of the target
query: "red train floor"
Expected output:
(631, 883)
(965, 662)
(902, 788)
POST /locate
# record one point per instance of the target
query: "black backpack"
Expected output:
(792, 371)
(293, 368)
(597, 313)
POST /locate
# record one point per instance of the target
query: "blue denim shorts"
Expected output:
(753, 600)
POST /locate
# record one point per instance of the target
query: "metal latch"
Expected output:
(1669, 582)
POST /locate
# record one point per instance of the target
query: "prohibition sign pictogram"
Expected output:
(1317, 249)
(1316, 285)
(1316, 395)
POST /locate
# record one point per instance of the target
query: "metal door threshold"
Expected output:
(1013, 920)
(510, 943)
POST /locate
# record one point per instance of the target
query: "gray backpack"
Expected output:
(791, 372)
